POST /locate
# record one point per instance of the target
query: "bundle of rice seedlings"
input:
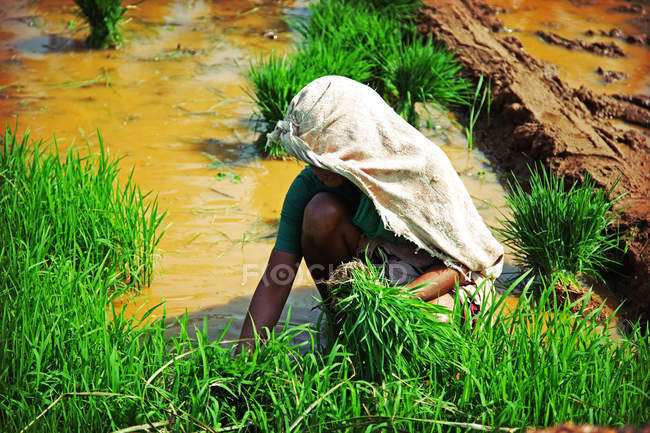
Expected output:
(364, 42)
(388, 330)
(277, 80)
(554, 231)
(422, 72)
(103, 17)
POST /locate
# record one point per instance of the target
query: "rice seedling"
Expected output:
(399, 9)
(71, 238)
(224, 170)
(387, 330)
(277, 80)
(553, 230)
(103, 78)
(475, 109)
(104, 18)
(422, 72)
(363, 42)
(347, 27)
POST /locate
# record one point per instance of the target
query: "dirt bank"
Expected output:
(535, 116)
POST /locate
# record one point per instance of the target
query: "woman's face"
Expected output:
(329, 178)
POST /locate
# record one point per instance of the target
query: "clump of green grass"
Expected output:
(104, 18)
(553, 230)
(364, 42)
(70, 240)
(515, 369)
(277, 80)
(422, 72)
(73, 206)
(401, 10)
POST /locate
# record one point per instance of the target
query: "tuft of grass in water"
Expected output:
(222, 167)
(103, 17)
(476, 107)
(422, 72)
(277, 80)
(553, 230)
(401, 10)
(73, 205)
(363, 42)
(103, 78)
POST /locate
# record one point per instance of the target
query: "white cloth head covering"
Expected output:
(344, 126)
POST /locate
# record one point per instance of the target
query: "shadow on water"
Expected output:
(302, 308)
(237, 151)
(51, 43)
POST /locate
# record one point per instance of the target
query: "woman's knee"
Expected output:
(322, 218)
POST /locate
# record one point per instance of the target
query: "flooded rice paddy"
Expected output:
(175, 98)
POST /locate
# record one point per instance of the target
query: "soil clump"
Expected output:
(609, 49)
(636, 39)
(536, 117)
(611, 76)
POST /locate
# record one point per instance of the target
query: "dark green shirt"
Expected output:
(304, 187)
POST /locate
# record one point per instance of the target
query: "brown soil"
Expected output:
(609, 49)
(611, 76)
(637, 39)
(583, 301)
(535, 116)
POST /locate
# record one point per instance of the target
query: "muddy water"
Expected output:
(571, 20)
(176, 92)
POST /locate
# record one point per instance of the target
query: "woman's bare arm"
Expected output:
(270, 295)
(438, 280)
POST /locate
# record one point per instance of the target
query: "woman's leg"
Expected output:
(328, 237)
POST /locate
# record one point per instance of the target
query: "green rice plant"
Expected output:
(554, 230)
(224, 171)
(388, 330)
(275, 81)
(422, 72)
(71, 239)
(397, 9)
(363, 43)
(350, 26)
(103, 17)
(79, 200)
(475, 109)
(71, 361)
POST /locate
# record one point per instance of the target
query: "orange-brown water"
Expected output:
(177, 90)
(571, 20)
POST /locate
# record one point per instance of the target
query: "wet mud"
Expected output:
(611, 76)
(638, 39)
(537, 116)
(609, 49)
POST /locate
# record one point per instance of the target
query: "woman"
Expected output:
(375, 185)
